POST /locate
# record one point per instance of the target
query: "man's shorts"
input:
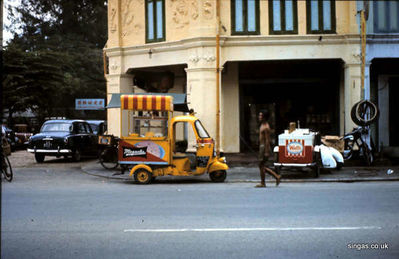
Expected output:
(262, 158)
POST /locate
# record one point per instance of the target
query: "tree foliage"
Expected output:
(56, 56)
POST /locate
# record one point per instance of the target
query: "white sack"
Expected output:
(327, 157)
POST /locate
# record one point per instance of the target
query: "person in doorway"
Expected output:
(265, 149)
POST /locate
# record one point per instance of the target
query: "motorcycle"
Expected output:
(357, 146)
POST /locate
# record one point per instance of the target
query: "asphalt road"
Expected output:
(56, 211)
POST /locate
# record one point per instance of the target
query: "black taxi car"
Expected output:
(67, 138)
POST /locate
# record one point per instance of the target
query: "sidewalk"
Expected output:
(250, 173)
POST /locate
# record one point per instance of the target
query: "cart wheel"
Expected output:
(39, 158)
(316, 171)
(277, 169)
(142, 176)
(218, 176)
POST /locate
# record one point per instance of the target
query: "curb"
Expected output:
(344, 180)
(313, 180)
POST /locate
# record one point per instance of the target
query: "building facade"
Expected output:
(298, 59)
(382, 70)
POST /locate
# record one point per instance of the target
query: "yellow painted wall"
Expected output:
(197, 18)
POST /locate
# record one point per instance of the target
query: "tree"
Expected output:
(57, 57)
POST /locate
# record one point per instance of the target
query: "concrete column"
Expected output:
(201, 96)
(117, 83)
(230, 109)
(351, 92)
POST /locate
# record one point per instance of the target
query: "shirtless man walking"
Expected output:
(265, 150)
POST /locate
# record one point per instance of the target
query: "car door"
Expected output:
(81, 136)
(92, 140)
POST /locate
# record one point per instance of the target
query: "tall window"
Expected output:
(386, 16)
(155, 20)
(244, 17)
(283, 16)
(320, 16)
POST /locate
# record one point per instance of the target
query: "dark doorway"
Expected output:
(393, 111)
(305, 92)
(385, 94)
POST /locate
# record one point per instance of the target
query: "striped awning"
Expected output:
(147, 102)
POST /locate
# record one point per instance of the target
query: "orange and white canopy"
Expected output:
(147, 102)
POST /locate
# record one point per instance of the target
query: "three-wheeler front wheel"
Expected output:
(142, 176)
(218, 176)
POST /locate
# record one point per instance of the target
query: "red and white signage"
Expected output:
(295, 148)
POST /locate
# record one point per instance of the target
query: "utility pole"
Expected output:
(363, 43)
(217, 77)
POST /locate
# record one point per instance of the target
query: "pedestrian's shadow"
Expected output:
(302, 173)
(62, 160)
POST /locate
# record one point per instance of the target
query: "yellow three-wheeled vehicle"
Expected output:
(154, 143)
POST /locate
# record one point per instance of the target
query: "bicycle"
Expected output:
(6, 168)
(108, 155)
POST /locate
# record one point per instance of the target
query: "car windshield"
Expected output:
(66, 127)
(94, 128)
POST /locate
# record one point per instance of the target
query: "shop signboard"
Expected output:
(89, 104)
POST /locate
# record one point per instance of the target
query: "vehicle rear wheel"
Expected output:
(109, 159)
(367, 155)
(142, 176)
(76, 156)
(7, 169)
(39, 158)
(218, 176)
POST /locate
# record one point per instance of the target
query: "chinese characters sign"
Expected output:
(89, 104)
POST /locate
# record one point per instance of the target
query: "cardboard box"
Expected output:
(334, 141)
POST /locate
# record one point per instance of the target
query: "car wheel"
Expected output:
(39, 158)
(76, 156)
(218, 176)
(142, 176)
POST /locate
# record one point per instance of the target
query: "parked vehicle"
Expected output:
(150, 136)
(22, 134)
(99, 127)
(298, 148)
(356, 145)
(10, 137)
(67, 138)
